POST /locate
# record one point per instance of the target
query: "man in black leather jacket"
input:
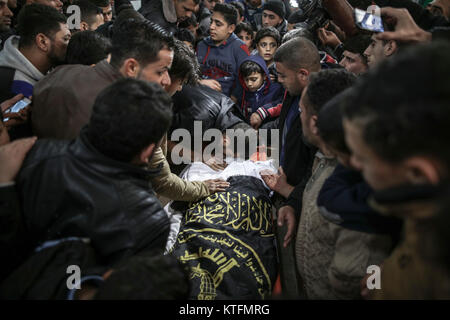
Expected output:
(13, 237)
(97, 186)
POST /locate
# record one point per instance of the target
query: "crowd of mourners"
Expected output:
(91, 90)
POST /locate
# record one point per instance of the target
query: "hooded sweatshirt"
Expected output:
(222, 62)
(269, 94)
(343, 200)
(26, 74)
(161, 12)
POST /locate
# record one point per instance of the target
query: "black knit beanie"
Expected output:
(296, 17)
(276, 6)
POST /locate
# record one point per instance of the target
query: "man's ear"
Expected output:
(43, 42)
(303, 76)
(147, 153)
(130, 68)
(390, 48)
(231, 28)
(84, 26)
(422, 170)
(313, 125)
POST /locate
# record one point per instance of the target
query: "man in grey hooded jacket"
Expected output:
(167, 13)
(40, 46)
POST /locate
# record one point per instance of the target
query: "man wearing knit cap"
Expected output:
(274, 13)
(294, 18)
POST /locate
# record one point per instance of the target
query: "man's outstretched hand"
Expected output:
(406, 29)
(216, 185)
(277, 182)
(213, 84)
(328, 38)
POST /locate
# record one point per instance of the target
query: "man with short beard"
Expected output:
(40, 46)
(5, 22)
(295, 61)
(5, 16)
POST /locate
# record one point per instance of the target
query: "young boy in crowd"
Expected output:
(221, 54)
(256, 91)
(244, 31)
(267, 41)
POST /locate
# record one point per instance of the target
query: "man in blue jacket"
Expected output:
(221, 54)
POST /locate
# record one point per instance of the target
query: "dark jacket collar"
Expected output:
(107, 71)
(407, 201)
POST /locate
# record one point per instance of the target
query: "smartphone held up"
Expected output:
(19, 105)
(369, 20)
